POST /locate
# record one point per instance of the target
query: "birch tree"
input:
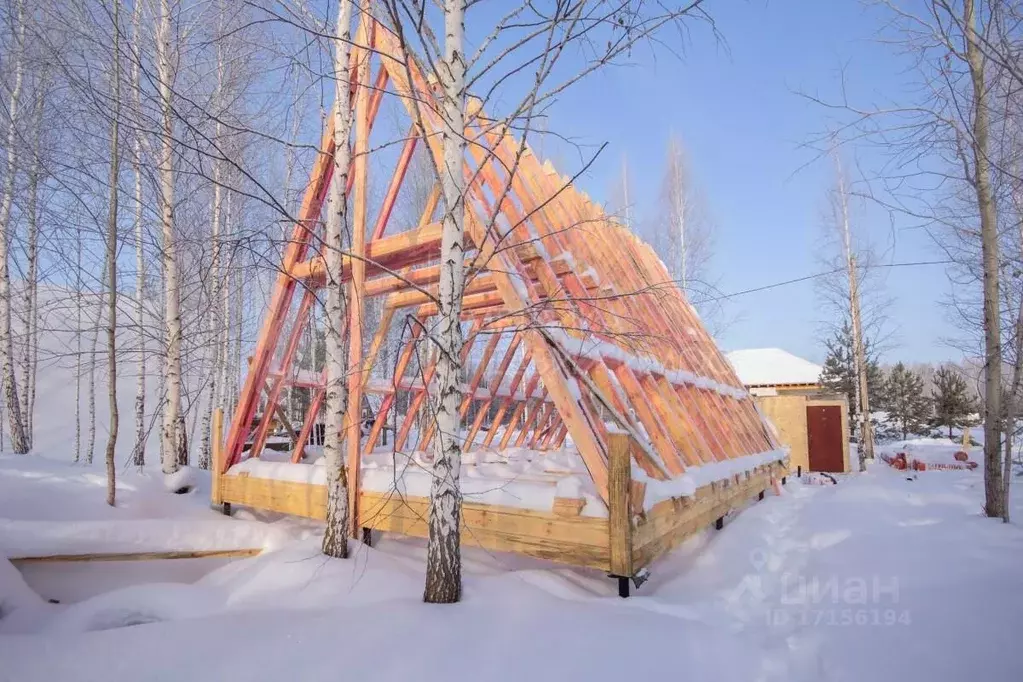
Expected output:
(527, 38)
(216, 323)
(139, 447)
(111, 257)
(995, 503)
(939, 168)
(78, 346)
(443, 553)
(19, 443)
(682, 234)
(335, 537)
(30, 356)
(865, 443)
(173, 420)
(90, 449)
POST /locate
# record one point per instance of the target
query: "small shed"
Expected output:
(812, 423)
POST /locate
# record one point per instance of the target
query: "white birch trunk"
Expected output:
(19, 443)
(443, 555)
(30, 358)
(115, 166)
(232, 318)
(239, 319)
(78, 346)
(865, 444)
(173, 422)
(335, 537)
(994, 499)
(139, 448)
(216, 322)
(677, 197)
(90, 449)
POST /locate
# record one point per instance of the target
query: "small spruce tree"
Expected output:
(953, 402)
(905, 401)
(838, 374)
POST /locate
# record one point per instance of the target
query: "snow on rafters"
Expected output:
(575, 328)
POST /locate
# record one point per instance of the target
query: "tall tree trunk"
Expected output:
(78, 346)
(229, 370)
(335, 537)
(205, 435)
(677, 198)
(30, 359)
(19, 444)
(443, 554)
(1017, 380)
(173, 422)
(216, 323)
(139, 448)
(93, 350)
(1007, 469)
(865, 444)
(993, 491)
(181, 440)
(115, 174)
(239, 319)
(161, 382)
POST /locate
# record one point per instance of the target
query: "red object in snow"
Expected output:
(962, 456)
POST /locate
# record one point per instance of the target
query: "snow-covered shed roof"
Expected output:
(772, 367)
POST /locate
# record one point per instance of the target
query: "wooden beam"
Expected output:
(402, 250)
(218, 455)
(575, 541)
(308, 424)
(399, 371)
(401, 168)
(619, 508)
(139, 556)
(505, 402)
(284, 288)
(502, 369)
(357, 284)
(273, 395)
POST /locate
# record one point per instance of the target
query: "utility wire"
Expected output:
(805, 278)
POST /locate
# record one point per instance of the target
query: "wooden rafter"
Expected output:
(602, 336)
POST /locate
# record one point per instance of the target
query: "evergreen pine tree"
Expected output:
(905, 400)
(954, 404)
(839, 372)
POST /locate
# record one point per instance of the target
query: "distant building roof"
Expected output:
(772, 367)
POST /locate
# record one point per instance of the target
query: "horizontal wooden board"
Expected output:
(670, 522)
(286, 497)
(139, 556)
(577, 541)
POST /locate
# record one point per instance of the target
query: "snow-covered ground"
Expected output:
(881, 577)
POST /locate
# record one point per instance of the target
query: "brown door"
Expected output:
(824, 432)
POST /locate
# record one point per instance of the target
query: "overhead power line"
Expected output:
(806, 278)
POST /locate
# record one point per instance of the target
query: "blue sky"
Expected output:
(743, 122)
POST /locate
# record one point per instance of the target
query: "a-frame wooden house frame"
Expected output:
(582, 346)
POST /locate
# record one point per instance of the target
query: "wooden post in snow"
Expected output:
(217, 466)
(619, 511)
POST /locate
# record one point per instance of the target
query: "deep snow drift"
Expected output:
(885, 576)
